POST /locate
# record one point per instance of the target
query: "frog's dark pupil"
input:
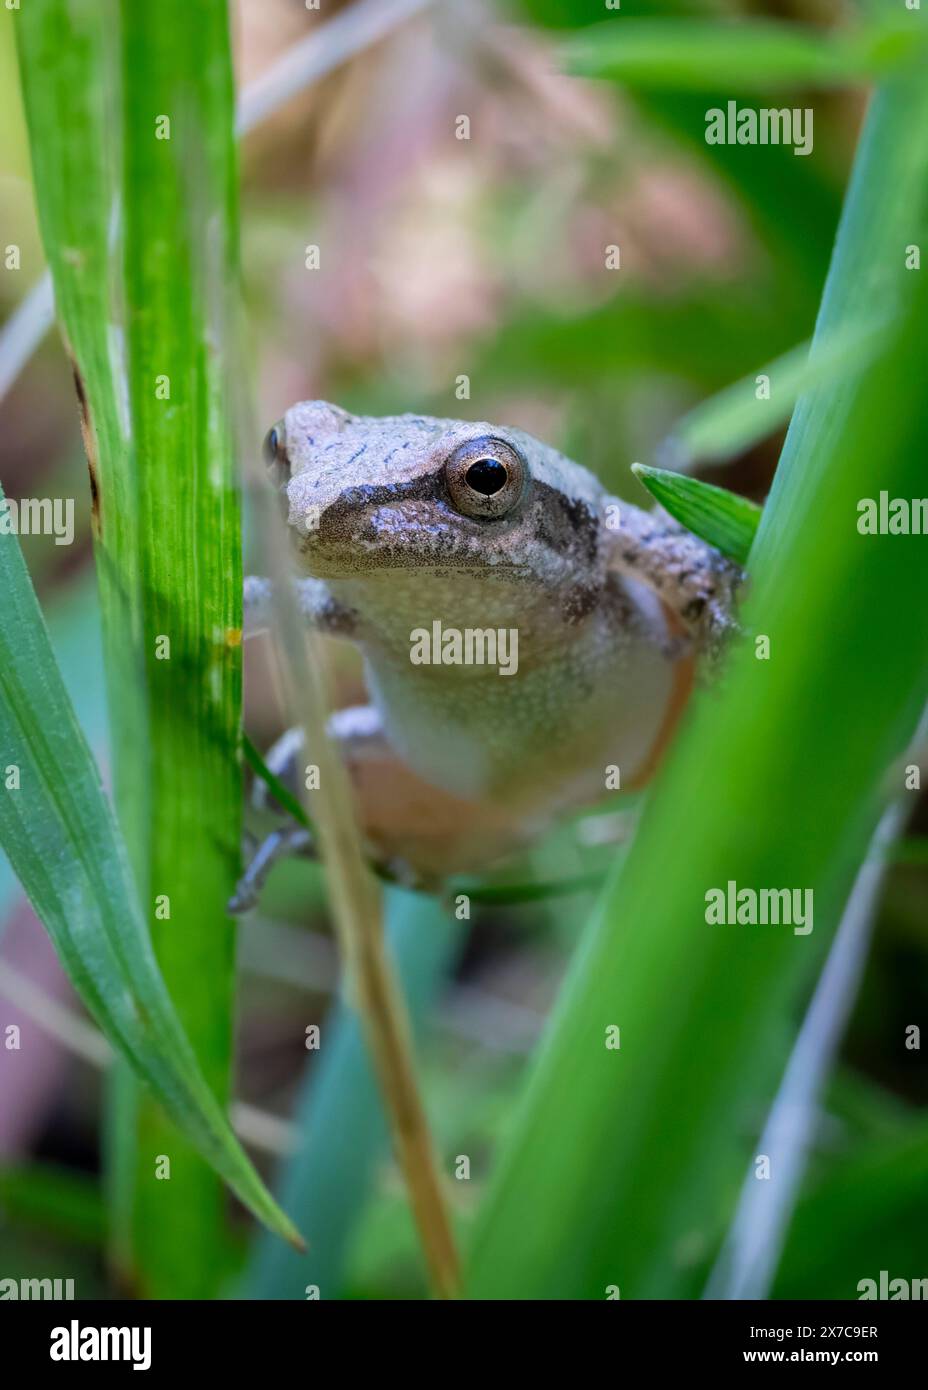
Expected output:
(271, 445)
(486, 476)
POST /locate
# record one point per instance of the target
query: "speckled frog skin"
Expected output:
(401, 521)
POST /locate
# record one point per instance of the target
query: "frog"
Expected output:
(405, 529)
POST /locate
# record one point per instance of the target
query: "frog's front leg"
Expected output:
(358, 733)
(289, 839)
(693, 579)
(314, 601)
(321, 611)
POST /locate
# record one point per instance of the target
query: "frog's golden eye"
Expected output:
(485, 478)
(275, 456)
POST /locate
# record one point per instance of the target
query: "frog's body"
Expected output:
(408, 522)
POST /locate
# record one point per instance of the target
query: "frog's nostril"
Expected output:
(487, 476)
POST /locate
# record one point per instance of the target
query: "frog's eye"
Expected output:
(275, 456)
(485, 478)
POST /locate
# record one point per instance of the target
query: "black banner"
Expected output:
(244, 1338)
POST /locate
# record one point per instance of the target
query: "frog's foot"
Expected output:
(356, 729)
(288, 840)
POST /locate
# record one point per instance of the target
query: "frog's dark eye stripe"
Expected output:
(485, 478)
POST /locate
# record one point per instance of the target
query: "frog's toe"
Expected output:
(292, 839)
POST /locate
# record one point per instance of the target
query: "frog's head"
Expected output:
(367, 496)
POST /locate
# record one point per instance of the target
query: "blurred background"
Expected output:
(444, 260)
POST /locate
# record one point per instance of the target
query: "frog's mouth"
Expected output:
(399, 560)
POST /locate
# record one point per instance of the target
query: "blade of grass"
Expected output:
(259, 1128)
(692, 54)
(754, 1243)
(130, 114)
(73, 623)
(340, 1115)
(722, 518)
(281, 793)
(645, 1144)
(58, 831)
(734, 419)
(180, 276)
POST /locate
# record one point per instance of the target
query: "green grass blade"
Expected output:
(741, 415)
(73, 624)
(722, 518)
(130, 116)
(58, 831)
(281, 793)
(645, 1145)
(180, 279)
(695, 55)
(734, 419)
(340, 1118)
